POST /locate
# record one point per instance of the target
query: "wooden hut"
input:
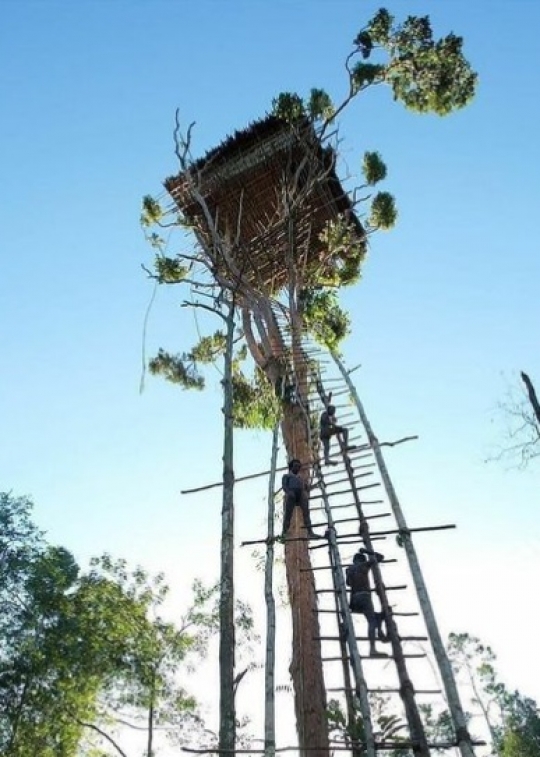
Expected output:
(272, 189)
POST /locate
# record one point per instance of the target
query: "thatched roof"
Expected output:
(252, 170)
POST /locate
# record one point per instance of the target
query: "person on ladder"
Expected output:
(296, 493)
(328, 428)
(357, 577)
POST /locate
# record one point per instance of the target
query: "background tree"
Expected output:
(512, 719)
(427, 76)
(84, 653)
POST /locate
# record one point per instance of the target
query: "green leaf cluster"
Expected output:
(178, 369)
(426, 75)
(169, 270)
(373, 168)
(255, 404)
(151, 212)
(365, 74)
(383, 211)
(324, 317)
(345, 251)
(290, 107)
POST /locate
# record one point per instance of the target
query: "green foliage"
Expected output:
(380, 26)
(383, 212)
(178, 369)
(335, 716)
(88, 646)
(364, 43)
(151, 211)
(365, 74)
(344, 249)
(324, 317)
(521, 735)
(255, 404)
(319, 105)
(289, 107)
(169, 270)
(513, 720)
(427, 75)
(438, 726)
(373, 168)
(209, 348)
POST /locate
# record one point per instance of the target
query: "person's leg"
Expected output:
(290, 502)
(381, 635)
(304, 505)
(326, 448)
(373, 624)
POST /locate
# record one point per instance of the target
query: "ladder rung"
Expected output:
(352, 540)
(333, 567)
(386, 588)
(406, 614)
(385, 691)
(366, 638)
(351, 520)
(415, 655)
(348, 490)
(353, 504)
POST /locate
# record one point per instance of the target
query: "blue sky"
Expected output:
(446, 315)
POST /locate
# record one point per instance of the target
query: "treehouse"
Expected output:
(272, 193)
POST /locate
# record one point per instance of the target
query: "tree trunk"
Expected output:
(227, 715)
(270, 352)
(306, 664)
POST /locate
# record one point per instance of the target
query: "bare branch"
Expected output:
(102, 733)
(214, 311)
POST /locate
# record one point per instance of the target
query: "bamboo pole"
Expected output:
(227, 714)
(454, 704)
(269, 668)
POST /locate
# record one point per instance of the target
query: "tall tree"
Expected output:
(427, 76)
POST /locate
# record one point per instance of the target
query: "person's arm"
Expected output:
(348, 576)
(285, 483)
(374, 557)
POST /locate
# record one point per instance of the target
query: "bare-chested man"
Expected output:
(296, 493)
(357, 576)
(328, 427)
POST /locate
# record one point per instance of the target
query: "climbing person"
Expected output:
(328, 427)
(357, 577)
(296, 493)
